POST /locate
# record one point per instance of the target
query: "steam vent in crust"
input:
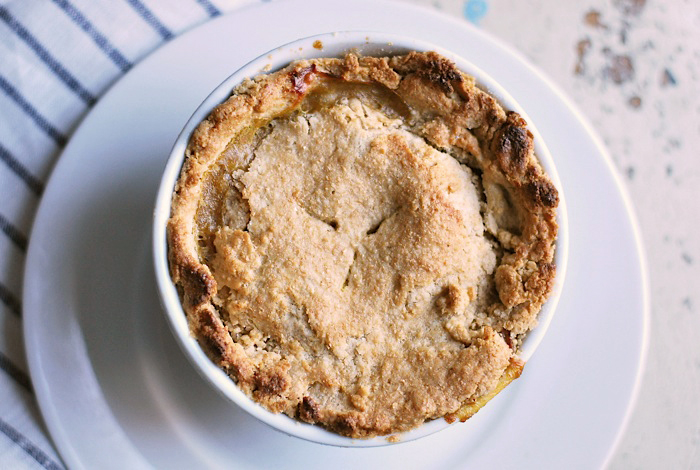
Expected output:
(363, 243)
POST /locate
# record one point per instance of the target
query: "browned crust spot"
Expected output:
(440, 71)
(309, 411)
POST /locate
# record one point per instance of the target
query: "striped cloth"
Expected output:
(56, 58)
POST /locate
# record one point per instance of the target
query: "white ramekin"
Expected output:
(334, 44)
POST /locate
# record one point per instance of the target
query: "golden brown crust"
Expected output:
(442, 213)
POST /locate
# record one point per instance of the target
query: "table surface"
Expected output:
(631, 66)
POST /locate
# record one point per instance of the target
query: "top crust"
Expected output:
(363, 242)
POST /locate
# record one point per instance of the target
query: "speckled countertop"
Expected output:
(633, 68)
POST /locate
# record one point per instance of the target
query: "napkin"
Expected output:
(57, 57)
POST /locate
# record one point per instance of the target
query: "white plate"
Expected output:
(117, 392)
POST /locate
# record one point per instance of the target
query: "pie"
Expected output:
(363, 242)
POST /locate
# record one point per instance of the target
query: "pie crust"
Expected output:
(363, 242)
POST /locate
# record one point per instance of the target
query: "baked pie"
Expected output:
(364, 242)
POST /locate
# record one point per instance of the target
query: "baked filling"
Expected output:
(363, 243)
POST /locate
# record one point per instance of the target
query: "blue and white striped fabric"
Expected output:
(56, 58)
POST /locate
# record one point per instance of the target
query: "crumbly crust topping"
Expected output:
(363, 242)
